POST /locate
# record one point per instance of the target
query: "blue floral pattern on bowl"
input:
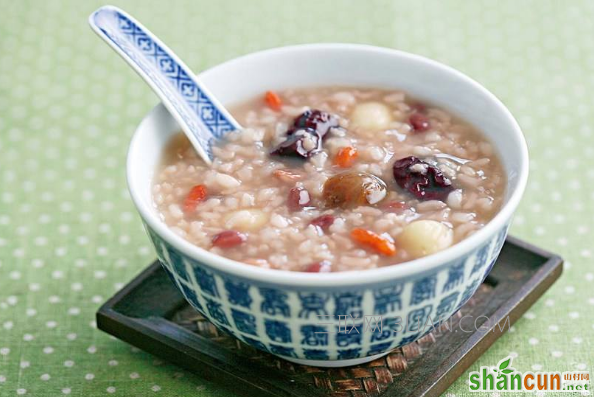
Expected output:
(336, 323)
(170, 77)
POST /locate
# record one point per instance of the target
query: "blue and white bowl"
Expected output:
(333, 319)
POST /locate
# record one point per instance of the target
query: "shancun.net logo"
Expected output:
(505, 378)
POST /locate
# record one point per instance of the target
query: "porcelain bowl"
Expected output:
(334, 319)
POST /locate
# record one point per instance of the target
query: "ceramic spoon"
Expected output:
(202, 118)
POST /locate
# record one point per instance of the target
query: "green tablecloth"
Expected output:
(70, 237)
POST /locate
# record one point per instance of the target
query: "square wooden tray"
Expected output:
(151, 313)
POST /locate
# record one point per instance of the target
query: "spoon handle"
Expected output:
(200, 115)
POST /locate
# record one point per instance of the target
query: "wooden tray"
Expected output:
(151, 313)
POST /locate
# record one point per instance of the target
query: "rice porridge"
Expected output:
(332, 179)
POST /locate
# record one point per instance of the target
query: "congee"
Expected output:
(332, 179)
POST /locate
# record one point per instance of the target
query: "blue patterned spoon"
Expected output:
(202, 118)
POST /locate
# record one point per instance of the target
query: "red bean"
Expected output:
(298, 198)
(323, 221)
(228, 239)
(419, 122)
(319, 267)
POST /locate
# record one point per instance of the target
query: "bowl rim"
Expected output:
(352, 277)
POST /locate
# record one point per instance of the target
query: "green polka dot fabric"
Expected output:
(70, 237)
